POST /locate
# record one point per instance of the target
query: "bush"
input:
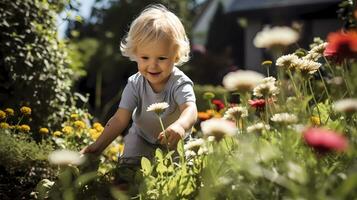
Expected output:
(33, 63)
(23, 163)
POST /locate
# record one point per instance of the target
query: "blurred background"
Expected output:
(221, 34)
(83, 64)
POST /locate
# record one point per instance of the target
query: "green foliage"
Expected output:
(33, 62)
(19, 151)
(23, 163)
(218, 91)
(165, 179)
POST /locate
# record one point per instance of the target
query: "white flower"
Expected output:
(158, 108)
(284, 118)
(218, 128)
(337, 80)
(65, 157)
(287, 61)
(194, 145)
(267, 88)
(307, 66)
(190, 153)
(210, 138)
(235, 113)
(242, 80)
(259, 127)
(346, 105)
(316, 52)
(276, 36)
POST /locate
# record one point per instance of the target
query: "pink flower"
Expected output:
(218, 103)
(324, 140)
(341, 45)
(257, 103)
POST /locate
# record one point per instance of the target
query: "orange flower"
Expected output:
(341, 45)
(203, 116)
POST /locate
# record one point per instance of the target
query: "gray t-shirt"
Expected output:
(138, 95)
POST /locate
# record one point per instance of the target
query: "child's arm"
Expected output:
(114, 127)
(183, 124)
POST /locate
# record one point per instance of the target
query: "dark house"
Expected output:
(233, 24)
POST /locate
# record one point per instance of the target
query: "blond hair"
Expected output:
(154, 23)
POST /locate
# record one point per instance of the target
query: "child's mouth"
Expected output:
(154, 73)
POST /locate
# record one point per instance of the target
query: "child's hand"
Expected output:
(90, 149)
(173, 133)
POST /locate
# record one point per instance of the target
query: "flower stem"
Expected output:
(323, 82)
(297, 93)
(313, 96)
(329, 66)
(345, 79)
(163, 129)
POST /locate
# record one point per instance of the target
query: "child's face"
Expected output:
(155, 62)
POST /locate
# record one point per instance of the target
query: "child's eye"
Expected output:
(144, 57)
(162, 58)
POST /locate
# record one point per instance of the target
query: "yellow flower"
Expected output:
(74, 116)
(121, 149)
(79, 124)
(44, 131)
(267, 63)
(96, 124)
(10, 111)
(208, 95)
(25, 110)
(94, 134)
(114, 158)
(25, 128)
(2, 114)
(4, 125)
(315, 120)
(57, 133)
(98, 127)
(67, 130)
(114, 150)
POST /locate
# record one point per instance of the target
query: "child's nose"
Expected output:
(154, 63)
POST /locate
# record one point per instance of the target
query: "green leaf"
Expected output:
(180, 149)
(161, 168)
(146, 166)
(85, 178)
(158, 154)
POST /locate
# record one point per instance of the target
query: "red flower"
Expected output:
(219, 104)
(341, 45)
(324, 140)
(257, 103)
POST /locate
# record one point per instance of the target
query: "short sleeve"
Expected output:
(129, 97)
(184, 93)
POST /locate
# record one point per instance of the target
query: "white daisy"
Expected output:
(242, 80)
(258, 128)
(194, 145)
(235, 113)
(284, 118)
(276, 36)
(346, 105)
(266, 88)
(66, 157)
(316, 52)
(218, 128)
(158, 108)
(287, 61)
(307, 66)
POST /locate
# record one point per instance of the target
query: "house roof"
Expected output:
(243, 7)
